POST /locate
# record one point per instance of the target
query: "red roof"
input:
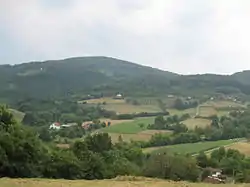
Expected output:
(57, 124)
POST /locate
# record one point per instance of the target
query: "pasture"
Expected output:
(243, 147)
(197, 122)
(132, 127)
(189, 148)
(120, 106)
(127, 181)
(206, 111)
(141, 136)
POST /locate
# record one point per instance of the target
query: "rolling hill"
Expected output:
(94, 75)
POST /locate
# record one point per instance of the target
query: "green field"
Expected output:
(130, 127)
(189, 148)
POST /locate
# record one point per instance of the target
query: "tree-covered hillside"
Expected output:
(101, 75)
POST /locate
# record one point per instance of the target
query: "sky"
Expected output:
(182, 36)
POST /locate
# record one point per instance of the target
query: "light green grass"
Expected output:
(130, 127)
(189, 148)
(17, 115)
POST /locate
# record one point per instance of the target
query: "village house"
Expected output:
(55, 126)
(216, 176)
(118, 96)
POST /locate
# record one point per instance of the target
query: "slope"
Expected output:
(95, 75)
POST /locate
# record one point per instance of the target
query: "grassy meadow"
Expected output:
(141, 136)
(127, 182)
(243, 147)
(196, 122)
(189, 148)
(130, 127)
(120, 106)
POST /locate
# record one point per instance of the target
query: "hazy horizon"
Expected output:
(181, 36)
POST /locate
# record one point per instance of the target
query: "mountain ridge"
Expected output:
(80, 76)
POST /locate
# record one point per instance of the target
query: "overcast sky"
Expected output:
(183, 36)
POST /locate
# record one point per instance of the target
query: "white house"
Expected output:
(55, 126)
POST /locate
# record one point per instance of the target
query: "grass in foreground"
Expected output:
(135, 182)
(130, 127)
(189, 148)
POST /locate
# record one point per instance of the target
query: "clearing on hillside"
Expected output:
(131, 182)
(243, 147)
(132, 127)
(190, 111)
(141, 136)
(121, 107)
(224, 104)
(207, 111)
(189, 148)
(196, 122)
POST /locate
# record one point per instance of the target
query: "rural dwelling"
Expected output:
(216, 176)
(118, 96)
(86, 124)
(55, 126)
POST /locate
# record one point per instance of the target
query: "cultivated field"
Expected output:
(190, 111)
(141, 136)
(196, 122)
(189, 148)
(224, 104)
(206, 111)
(243, 147)
(130, 182)
(121, 107)
(125, 108)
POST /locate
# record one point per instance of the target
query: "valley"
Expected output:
(110, 118)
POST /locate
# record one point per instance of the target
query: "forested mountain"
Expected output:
(95, 75)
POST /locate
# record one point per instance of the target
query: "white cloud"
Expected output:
(187, 36)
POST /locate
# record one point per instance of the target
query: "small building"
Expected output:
(86, 124)
(55, 126)
(69, 125)
(216, 176)
(118, 96)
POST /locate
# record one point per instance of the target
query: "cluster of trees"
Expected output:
(22, 154)
(170, 123)
(182, 105)
(231, 162)
(72, 132)
(221, 128)
(44, 112)
(141, 114)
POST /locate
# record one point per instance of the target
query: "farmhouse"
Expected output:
(55, 126)
(216, 176)
(118, 96)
